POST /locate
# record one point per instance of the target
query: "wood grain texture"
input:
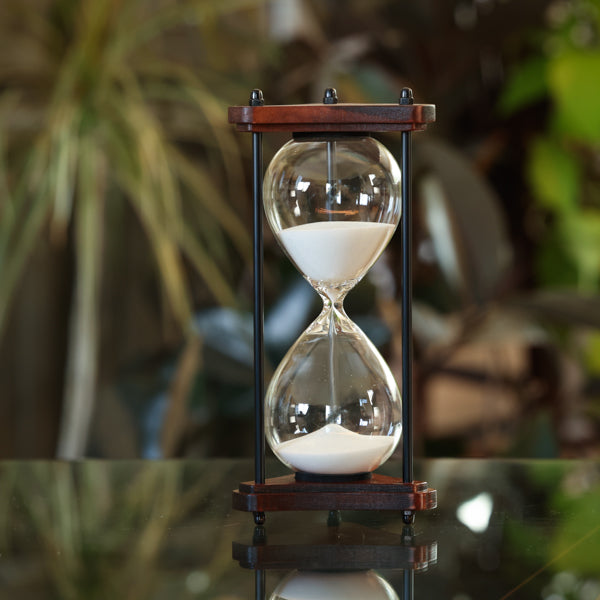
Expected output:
(379, 493)
(331, 118)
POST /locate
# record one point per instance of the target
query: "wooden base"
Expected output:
(381, 492)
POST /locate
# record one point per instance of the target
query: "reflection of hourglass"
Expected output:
(358, 585)
(333, 412)
(340, 561)
(333, 406)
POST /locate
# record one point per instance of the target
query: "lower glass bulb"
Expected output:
(333, 406)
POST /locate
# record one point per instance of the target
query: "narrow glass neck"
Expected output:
(333, 317)
(333, 295)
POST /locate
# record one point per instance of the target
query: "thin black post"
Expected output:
(408, 575)
(409, 585)
(407, 354)
(330, 97)
(256, 99)
(259, 584)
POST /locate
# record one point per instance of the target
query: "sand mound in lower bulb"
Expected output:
(333, 450)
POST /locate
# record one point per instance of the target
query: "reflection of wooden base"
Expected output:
(347, 547)
(378, 493)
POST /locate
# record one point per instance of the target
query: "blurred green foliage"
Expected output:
(566, 495)
(99, 127)
(113, 117)
(95, 113)
(561, 77)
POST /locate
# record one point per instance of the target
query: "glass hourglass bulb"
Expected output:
(358, 585)
(333, 406)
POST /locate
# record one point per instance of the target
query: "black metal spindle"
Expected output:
(407, 354)
(259, 584)
(330, 97)
(409, 585)
(256, 99)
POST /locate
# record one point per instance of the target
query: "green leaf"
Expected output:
(576, 545)
(592, 353)
(18, 239)
(553, 263)
(581, 238)
(527, 84)
(83, 330)
(66, 151)
(554, 176)
(574, 79)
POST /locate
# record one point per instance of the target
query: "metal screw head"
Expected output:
(330, 96)
(406, 96)
(256, 98)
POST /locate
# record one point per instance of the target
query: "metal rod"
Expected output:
(259, 584)
(330, 97)
(409, 585)
(331, 179)
(407, 350)
(256, 99)
(259, 432)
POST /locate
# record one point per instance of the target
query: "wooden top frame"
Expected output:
(332, 118)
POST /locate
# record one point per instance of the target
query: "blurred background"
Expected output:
(125, 218)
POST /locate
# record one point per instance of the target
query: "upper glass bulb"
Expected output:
(334, 202)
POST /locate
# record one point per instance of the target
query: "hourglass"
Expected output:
(333, 196)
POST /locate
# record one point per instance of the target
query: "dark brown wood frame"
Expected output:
(380, 492)
(325, 118)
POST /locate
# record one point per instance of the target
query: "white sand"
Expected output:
(333, 450)
(365, 585)
(335, 251)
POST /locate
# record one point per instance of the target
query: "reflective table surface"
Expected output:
(153, 530)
